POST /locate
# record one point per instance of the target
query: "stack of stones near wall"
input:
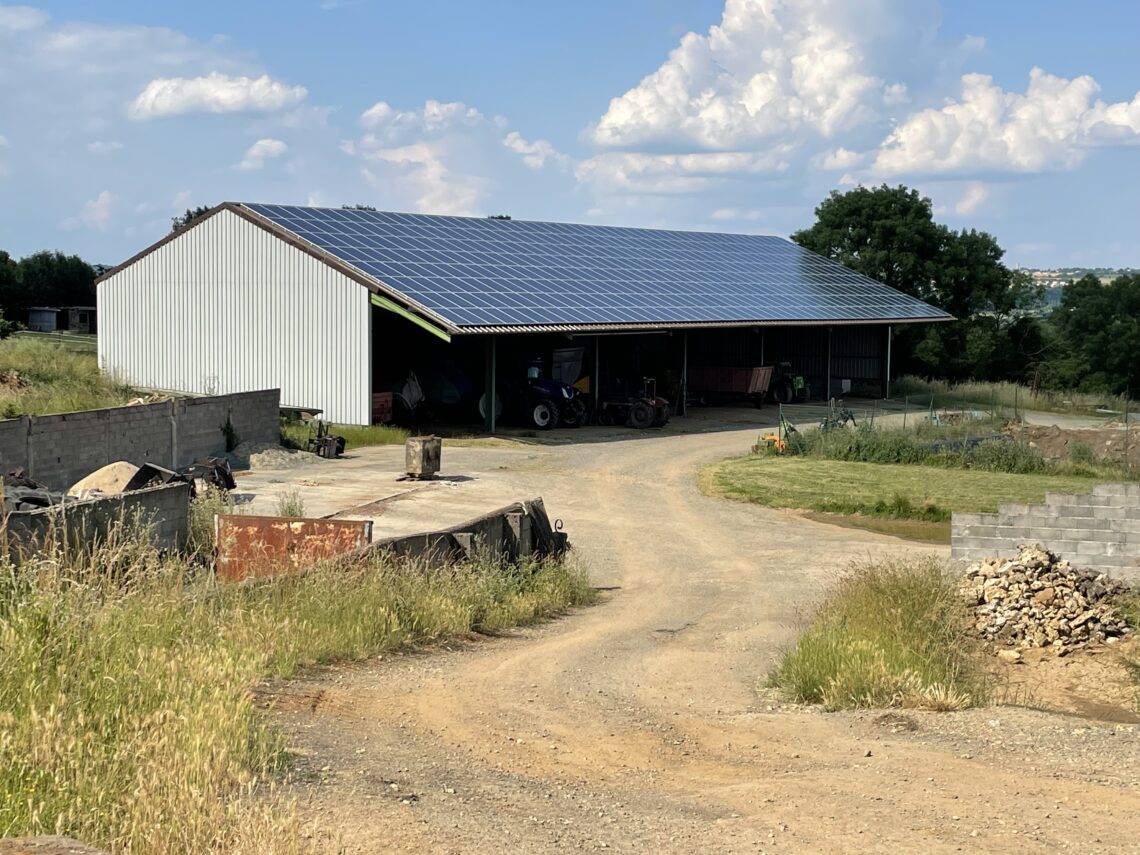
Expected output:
(1098, 530)
(58, 450)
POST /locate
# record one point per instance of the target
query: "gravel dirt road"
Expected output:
(641, 724)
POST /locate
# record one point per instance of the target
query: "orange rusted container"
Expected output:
(249, 546)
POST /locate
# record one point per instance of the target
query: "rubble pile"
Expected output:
(1038, 600)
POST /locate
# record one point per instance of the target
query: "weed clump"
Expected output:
(889, 634)
(126, 712)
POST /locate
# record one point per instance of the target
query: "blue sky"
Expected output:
(1020, 118)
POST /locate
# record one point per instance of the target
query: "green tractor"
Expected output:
(788, 388)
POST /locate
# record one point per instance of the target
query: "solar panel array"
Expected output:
(511, 273)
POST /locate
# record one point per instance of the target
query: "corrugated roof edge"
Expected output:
(691, 325)
(375, 285)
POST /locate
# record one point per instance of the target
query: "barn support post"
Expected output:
(887, 383)
(828, 388)
(596, 386)
(489, 413)
(681, 405)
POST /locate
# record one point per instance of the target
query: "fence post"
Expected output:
(1127, 462)
(906, 406)
(780, 426)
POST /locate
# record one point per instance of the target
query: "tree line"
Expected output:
(44, 279)
(1091, 341)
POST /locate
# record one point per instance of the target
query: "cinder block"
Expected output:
(958, 519)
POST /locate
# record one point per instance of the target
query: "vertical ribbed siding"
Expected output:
(228, 307)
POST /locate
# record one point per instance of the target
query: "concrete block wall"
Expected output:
(1099, 530)
(63, 448)
(165, 508)
(14, 443)
(255, 417)
(58, 450)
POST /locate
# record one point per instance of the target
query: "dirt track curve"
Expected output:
(640, 725)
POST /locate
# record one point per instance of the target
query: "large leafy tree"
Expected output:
(1097, 344)
(53, 279)
(889, 234)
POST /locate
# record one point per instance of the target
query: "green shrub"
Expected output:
(1003, 456)
(290, 504)
(888, 634)
(203, 508)
(1082, 454)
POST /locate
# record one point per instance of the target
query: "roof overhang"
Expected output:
(391, 299)
(601, 329)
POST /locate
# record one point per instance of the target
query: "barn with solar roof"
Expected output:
(338, 307)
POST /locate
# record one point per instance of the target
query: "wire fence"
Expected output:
(78, 342)
(1105, 438)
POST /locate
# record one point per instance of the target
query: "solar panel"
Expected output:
(478, 273)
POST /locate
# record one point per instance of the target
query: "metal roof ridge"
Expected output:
(491, 218)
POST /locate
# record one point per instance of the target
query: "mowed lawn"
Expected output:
(909, 501)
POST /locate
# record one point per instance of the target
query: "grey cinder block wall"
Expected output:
(58, 450)
(165, 508)
(1098, 530)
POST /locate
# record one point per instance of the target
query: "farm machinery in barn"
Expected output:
(642, 410)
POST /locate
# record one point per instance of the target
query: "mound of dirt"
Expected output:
(1038, 600)
(266, 455)
(1057, 443)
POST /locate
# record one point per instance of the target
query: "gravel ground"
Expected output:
(638, 725)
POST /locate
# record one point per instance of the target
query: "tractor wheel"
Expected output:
(640, 414)
(575, 415)
(603, 417)
(483, 406)
(783, 391)
(544, 415)
(661, 417)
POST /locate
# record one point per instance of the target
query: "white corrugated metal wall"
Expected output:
(228, 307)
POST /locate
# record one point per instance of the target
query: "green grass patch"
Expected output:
(126, 713)
(888, 634)
(39, 377)
(296, 434)
(886, 491)
(921, 530)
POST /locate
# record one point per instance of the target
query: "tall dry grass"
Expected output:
(125, 682)
(891, 633)
(1005, 397)
(54, 379)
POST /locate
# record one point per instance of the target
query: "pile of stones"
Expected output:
(1038, 600)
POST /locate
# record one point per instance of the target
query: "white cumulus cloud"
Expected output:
(840, 158)
(214, 93)
(1052, 125)
(445, 157)
(536, 153)
(644, 172)
(972, 199)
(96, 213)
(261, 151)
(771, 69)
